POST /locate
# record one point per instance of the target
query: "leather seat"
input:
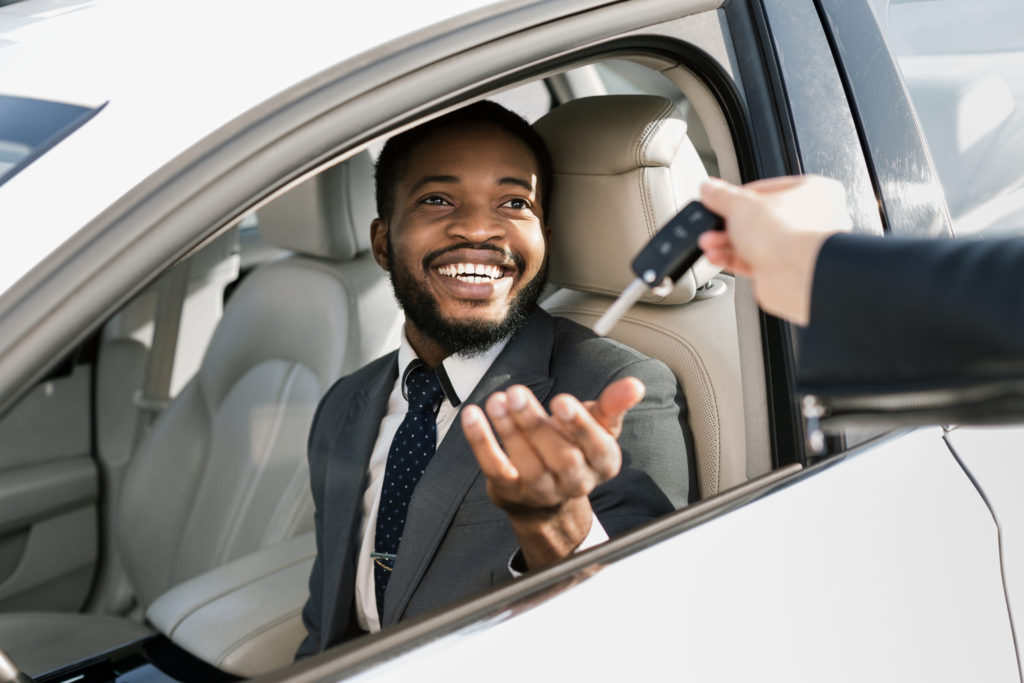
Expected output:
(623, 167)
(222, 472)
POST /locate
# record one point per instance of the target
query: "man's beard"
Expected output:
(464, 337)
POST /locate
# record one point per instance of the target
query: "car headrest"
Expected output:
(328, 215)
(623, 166)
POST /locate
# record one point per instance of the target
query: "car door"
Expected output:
(962, 66)
(991, 457)
(830, 548)
(880, 559)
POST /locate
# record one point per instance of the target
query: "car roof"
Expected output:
(163, 76)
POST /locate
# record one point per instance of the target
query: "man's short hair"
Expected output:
(393, 158)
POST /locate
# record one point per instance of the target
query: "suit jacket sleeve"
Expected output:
(656, 449)
(913, 314)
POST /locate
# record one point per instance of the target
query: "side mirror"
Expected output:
(997, 402)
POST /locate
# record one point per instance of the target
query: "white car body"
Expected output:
(194, 79)
(900, 559)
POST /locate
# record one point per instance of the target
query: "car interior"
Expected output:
(174, 499)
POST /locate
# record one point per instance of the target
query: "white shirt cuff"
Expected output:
(596, 536)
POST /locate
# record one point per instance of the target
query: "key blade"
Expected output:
(630, 295)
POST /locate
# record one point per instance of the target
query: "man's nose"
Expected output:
(477, 223)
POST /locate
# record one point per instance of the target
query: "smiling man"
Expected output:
(422, 497)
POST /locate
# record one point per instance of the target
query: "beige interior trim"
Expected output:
(755, 387)
(748, 325)
(704, 103)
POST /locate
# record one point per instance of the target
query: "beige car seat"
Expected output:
(623, 167)
(222, 472)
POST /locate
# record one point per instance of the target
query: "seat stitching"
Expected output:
(642, 143)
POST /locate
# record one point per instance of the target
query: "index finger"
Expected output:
(598, 445)
(493, 461)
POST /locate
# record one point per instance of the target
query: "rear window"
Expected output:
(29, 127)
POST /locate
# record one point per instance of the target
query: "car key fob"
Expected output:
(672, 251)
(668, 255)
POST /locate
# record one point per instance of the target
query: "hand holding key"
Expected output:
(774, 229)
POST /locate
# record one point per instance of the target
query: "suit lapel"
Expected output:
(355, 434)
(453, 469)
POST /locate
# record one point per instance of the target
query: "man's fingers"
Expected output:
(712, 240)
(560, 456)
(597, 444)
(492, 460)
(718, 249)
(617, 398)
(546, 459)
(517, 447)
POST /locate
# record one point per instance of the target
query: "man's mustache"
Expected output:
(508, 254)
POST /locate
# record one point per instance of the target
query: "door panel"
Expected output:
(883, 566)
(995, 460)
(48, 494)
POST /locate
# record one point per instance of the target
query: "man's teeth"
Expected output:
(471, 272)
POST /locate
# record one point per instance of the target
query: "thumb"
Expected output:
(720, 196)
(617, 398)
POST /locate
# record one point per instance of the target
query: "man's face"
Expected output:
(466, 245)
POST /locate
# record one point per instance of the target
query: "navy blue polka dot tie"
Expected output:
(411, 449)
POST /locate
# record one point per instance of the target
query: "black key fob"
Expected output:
(674, 249)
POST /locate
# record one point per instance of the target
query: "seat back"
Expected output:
(222, 472)
(623, 167)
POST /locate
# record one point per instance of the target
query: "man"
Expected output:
(553, 464)
(909, 313)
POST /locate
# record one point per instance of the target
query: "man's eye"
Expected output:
(518, 203)
(435, 200)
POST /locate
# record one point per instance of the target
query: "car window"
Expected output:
(28, 127)
(963, 65)
(110, 396)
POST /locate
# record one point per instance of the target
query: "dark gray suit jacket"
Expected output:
(899, 314)
(456, 543)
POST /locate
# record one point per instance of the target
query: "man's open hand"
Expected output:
(549, 463)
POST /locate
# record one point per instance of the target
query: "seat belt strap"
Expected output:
(153, 396)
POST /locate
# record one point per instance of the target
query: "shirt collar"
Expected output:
(458, 374)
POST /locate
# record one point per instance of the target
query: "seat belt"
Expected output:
(153, 396)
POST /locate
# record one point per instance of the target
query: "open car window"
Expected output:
(120, 421)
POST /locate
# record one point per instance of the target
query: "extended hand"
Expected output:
(549, 463)
(774, 229)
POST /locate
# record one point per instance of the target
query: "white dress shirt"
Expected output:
(464, 374)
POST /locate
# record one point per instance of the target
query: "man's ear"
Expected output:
(379, 242)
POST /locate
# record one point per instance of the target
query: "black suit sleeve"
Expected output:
(913, 313)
